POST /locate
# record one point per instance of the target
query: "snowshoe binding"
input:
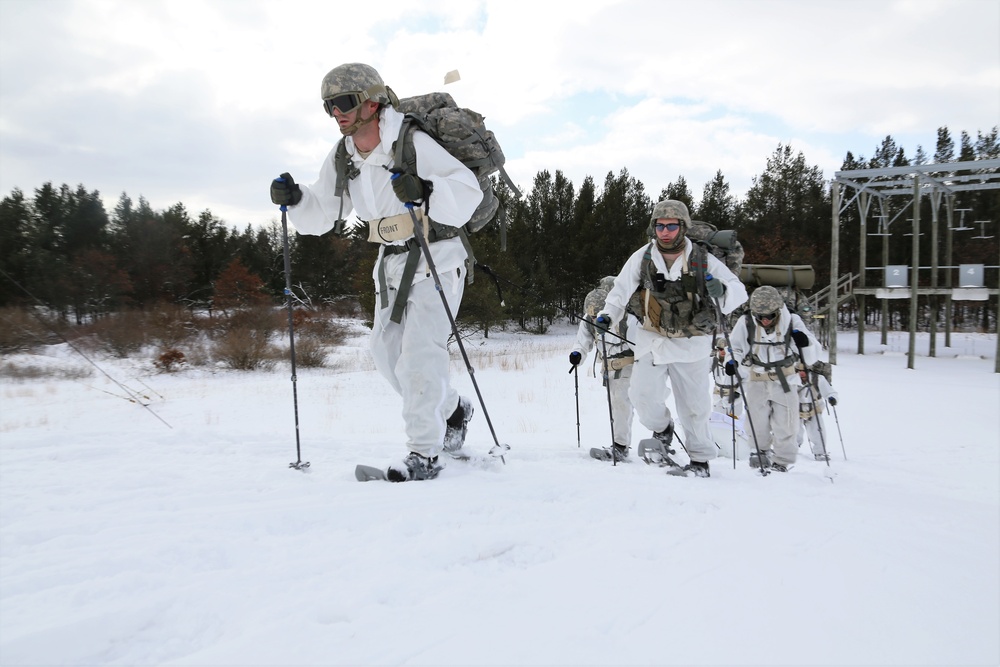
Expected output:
(693, 469)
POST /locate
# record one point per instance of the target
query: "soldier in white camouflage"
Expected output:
(620, 357)
(409, 340)
(674, 287)
(769, 344)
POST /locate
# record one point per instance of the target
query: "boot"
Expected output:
(414, 467)
(666, 436)
(457, 426)
(757, 459)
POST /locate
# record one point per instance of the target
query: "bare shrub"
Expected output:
(245, 343)
(15, 371)
(170, 325)
(170, 360)
(119, 334)
(309, 353)
(21, 331)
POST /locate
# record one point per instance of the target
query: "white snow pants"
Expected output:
(692, 390)
(621, 406)
(811, 428)
(774, 418)
(413, 357)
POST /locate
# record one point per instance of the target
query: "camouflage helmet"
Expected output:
(765, 300)
(356, 78)
(670, 208)
(594, 302)
(607, 283)
(720, 343)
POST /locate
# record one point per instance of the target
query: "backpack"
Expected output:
(463, 134)
(723, 244)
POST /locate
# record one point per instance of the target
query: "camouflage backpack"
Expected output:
(463, 134)
(723, 244)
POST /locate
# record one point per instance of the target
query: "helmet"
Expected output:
(765, 300)
(607, 283)
(594, 302)
(720, 343)
(356, 78)
(670, 208)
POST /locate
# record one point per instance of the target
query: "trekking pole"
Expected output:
(576, 391)
(841, 435)
(298, 464)
(732, 414)
(764, 472)
(418, 232)
(607, 385)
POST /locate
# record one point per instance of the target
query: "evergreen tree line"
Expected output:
(61, 246)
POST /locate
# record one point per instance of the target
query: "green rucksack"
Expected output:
(463, 134)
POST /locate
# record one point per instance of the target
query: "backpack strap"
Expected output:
(404, 156)
(345, 171)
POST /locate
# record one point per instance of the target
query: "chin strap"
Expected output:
(358, 123)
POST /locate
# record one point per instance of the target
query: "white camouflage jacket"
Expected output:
(455, 196)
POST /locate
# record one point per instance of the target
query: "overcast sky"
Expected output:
(205, 102)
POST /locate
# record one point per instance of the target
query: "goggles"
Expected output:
(770, 317)
(344, 103)
(670, 226)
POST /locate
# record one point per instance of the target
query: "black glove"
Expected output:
(715, 288)
(574, 357)
(800, 338)
(833, 400)
(603, 321)
(409, 187)
(730, 368)
(284, 191)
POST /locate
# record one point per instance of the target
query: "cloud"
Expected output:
(205, 101)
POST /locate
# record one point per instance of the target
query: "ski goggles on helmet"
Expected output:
(770, 317)
(670, 226)
(344, 103)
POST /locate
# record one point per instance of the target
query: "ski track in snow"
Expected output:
(124, 542)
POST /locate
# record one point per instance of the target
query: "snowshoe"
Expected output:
(654, 452)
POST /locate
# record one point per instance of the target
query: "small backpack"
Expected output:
(463, 134)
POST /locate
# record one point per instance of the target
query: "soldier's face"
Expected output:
(667, 229)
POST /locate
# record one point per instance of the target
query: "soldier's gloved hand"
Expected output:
(730, 368)
(575, 357)
(800, 338)
(603, 321)
(409, 187)
(715, 288)
(833, 400)
(284, 191)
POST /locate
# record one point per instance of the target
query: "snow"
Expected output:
(127, 542)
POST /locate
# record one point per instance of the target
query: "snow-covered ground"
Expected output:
(127, 542)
